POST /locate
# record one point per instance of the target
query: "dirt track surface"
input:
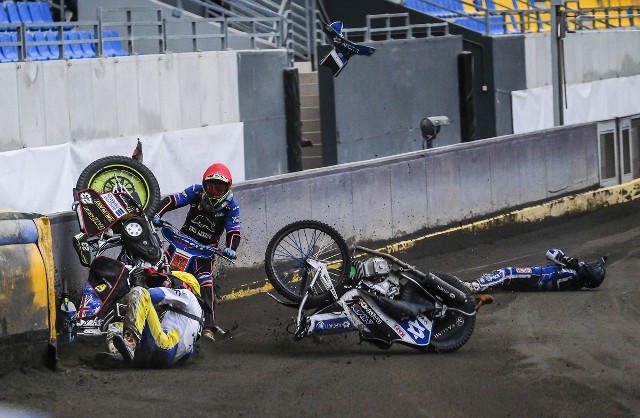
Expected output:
(531, 354)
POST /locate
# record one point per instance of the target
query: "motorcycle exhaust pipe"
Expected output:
(448, 293)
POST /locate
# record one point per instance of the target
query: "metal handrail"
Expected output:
(258, 37)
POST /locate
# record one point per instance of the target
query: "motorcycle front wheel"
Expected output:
(452, 331)
(290, 248)
(117, 174)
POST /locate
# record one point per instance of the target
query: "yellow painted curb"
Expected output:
(574, 204)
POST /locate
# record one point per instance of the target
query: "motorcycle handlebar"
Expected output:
(162, 223)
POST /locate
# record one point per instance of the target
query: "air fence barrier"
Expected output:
(388, 198)
(27, 294)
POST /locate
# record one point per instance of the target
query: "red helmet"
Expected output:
(216, 185)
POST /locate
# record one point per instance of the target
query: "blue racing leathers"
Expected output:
(206, 227)
(549, 277)
(163, 338)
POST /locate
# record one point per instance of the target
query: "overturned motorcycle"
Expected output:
(114, 200)
(382, 298)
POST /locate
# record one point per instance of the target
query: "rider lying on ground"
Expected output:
(566, 273)
(147, 340)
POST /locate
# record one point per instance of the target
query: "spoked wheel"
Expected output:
(452, 331)
(292, 246)
(118, 174)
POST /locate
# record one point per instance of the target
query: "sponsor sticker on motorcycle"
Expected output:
(330, 324)
(179, 261)
(418, 328)
(112, 202)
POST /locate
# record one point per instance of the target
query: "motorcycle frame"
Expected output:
(410, 331)
(416, 322)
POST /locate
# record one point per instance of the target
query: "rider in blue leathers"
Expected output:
(212, 211)
(566, 273)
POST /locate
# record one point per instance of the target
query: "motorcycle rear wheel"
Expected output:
(116, 173)
(292, 245)
(454, 330)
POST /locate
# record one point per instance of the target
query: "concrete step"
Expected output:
(309, 101)
(310, 116)
(308, 78)
(304, 67)
(314, 151)
(310, 89)
(310, 125)
(311, 162)
(310, 113)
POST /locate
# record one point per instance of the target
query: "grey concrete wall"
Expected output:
(508, 67)
(390, 197)
(56, 102)
(589, 56)
(262, 109)
(380, 100)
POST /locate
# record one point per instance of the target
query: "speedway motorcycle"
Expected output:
(114, 200)
(377, 295)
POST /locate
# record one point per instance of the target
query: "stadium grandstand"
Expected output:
(32, 31)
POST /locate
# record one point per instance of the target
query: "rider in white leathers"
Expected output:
(150, 339)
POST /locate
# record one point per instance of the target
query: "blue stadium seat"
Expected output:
(45, 11)
(12, 11)
(36, 14)
(430, 9)
(23, 12)
(78, 51)
(66, 50)
(88, 47)
(71, 51)
(53, 49)
(112, 48)
(10, 52)
(4, 37)
(33, 53)
(497, 24)
(3, 16)
(44, 50)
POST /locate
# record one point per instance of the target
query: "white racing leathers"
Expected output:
(164, 339)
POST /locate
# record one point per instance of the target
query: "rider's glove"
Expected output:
(157, 220)
(229, 252)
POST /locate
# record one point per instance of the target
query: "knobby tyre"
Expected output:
(292, 245)
(454, 330)
(118, 173)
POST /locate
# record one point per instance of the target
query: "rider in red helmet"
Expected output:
(212, 211)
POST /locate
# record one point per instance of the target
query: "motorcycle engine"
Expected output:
(379, 277)
(375, 267)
